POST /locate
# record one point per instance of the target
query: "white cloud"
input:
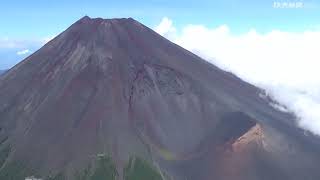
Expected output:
(286, 64)
(165, 28)
(47, 39)
(23, 52)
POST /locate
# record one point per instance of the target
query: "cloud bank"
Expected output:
(285, 64)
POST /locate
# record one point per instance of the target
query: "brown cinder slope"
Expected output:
(114, 86)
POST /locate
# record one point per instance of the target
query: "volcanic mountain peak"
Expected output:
(89, 19)
(100, 23)
(114, 86)
(102, 40)
(103, 23)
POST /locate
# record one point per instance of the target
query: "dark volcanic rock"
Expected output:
(116, 87)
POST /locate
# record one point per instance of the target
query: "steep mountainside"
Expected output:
(2, 71)
(114, 87)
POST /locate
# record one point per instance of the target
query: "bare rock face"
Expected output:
(116, 87)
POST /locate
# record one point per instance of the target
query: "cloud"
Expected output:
(47, 39)
(165, 28)
(285, 64)
(23, 52)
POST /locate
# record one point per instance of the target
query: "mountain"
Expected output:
(2, 71)
(116, 91)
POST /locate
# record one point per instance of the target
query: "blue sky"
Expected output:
(26, 24)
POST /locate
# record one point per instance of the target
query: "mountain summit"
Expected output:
(114, 87)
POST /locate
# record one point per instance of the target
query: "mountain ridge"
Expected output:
(2, 71)
(114, 86)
